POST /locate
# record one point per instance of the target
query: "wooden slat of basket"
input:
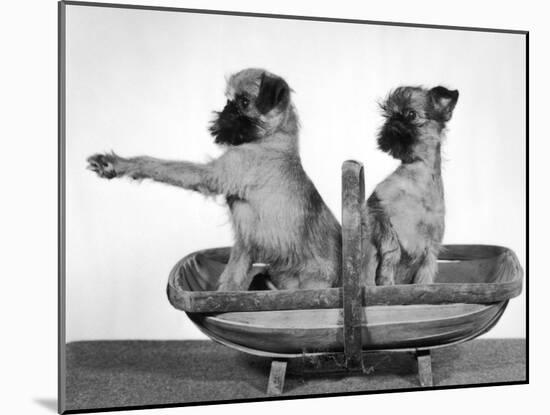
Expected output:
(506, 283)
(353, 195)
(218, 302)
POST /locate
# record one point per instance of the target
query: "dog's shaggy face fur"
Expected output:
(414, 114)
(257, 103)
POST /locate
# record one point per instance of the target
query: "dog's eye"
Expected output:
(243, 101)
(410, 115)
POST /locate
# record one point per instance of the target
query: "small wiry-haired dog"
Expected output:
(278, 216)
(405, 215)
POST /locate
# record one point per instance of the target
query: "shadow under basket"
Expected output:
(468, 296)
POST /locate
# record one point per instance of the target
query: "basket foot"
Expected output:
(276, 381)
(424, 360)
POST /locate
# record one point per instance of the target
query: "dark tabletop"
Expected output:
(104, 374)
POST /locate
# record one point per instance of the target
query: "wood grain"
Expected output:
(217, 302)
(353, 195)
(499, 277)
(383, 327)
(276, 380)
(424, 360)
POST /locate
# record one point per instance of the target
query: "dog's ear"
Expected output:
(443, 102)
(274, 92)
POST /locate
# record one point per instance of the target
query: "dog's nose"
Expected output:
(230, 107)
(397, 117)
(399, 120)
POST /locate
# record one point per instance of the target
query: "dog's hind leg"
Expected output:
(318, 275)
(428, 268)
(236, 276)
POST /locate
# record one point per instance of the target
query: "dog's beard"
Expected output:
(233, 128)
(397, 138)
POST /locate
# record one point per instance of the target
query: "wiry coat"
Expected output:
(404, 218)
(278, 216)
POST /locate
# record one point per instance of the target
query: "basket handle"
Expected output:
(353, 196)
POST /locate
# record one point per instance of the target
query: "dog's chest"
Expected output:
(269, 223)
(277, 204)
(415, 206)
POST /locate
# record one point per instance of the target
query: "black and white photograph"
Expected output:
(265, 207)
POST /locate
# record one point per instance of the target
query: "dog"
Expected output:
(278, 216)
(404, 218)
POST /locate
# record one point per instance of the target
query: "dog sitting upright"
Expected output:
(278, 216)
(404, 217)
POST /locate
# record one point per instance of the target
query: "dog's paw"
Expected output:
(104, 165)
(385, 279)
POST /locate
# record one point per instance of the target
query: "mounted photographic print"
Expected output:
(258, 207)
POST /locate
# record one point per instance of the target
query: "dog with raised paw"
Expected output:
(404, 218)
(277, 214)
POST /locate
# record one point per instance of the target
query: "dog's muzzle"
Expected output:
(232, 127)
(397, 136)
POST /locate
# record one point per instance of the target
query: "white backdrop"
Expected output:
(146, 82)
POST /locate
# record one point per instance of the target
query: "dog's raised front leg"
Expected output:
(193, 176)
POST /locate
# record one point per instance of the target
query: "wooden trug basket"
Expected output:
(338, 326)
